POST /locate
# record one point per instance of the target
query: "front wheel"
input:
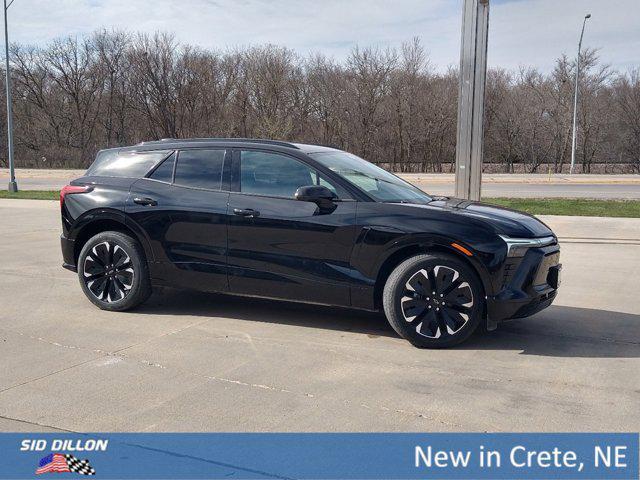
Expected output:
(113, 271)
(434, 301)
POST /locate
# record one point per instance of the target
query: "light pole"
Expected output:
(575, 97)
(13, 186)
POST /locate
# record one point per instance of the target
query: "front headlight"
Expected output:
(517, 247)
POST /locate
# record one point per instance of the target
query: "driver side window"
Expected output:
(276, 175)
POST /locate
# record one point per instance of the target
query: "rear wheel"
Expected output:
(113, 271)
(434, 301)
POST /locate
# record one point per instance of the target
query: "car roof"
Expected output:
(174, 143)
(309, 148)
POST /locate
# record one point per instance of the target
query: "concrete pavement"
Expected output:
(494, 185)
(195, 362)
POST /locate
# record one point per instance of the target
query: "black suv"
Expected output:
(305, 223)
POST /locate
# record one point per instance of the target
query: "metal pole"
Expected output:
(473, 74)
(575, 98)
(13, 186)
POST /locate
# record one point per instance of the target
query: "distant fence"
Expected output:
(596, 168)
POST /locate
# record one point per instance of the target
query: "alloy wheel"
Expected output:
(108, 272)
(438, 301)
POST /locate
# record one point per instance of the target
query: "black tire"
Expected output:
(428, 320)
(113, 271)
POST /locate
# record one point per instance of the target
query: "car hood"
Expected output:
(502, 220)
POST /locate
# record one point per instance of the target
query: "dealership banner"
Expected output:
(320, 455)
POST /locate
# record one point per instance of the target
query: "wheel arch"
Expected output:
(408, 251)
(104, 221)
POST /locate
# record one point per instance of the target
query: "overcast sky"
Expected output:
(522, 32)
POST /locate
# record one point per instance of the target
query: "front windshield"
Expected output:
(378, 183)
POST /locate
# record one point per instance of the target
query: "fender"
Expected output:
(377, 245)
(94, 217)
(427, 242)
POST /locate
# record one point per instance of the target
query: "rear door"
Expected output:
(285, 248)
(182, 206)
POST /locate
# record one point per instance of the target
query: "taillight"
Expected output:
(71, 189)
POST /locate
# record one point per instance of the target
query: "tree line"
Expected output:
(75, 96)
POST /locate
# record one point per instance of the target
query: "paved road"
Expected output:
(528, 186)
(197, 362)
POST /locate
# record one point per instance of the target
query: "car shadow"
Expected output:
(558, 331)
(175, 302)
(561, 331)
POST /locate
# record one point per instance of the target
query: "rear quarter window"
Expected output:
(125, 164)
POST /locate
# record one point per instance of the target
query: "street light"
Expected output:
(575, 96)
(13, 186)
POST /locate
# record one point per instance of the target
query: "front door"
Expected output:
(284, 248)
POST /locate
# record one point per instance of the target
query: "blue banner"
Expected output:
(321, 455)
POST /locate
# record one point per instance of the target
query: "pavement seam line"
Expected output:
(45, 376)
(283, 390)
(166, 334)
(28, 422)
(102, 353)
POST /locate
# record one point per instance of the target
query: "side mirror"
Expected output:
(318, 194)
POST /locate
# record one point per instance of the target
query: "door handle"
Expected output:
(246, 212)
(145, 201)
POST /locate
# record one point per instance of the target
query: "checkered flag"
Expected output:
(79, 466)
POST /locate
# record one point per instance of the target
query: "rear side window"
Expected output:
(114, 163)
(200, 169)
(164, 172)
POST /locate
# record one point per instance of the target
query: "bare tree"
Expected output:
(74, 96)
(626, 95)
(369, 72)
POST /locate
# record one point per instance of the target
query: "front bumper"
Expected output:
(529, 284)
(68, 253)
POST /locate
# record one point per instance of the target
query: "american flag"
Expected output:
(54, 462)
(62, 463)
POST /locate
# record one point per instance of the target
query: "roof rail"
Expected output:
(204, 140)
